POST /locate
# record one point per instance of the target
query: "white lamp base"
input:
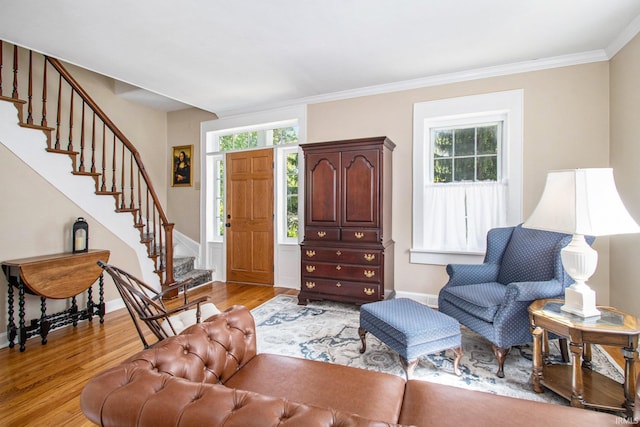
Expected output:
(580, 261)
(580, 299)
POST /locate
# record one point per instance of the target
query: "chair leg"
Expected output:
(363, 332)
(564, 349)
(409, 366)
(456, 361)
(501, 354)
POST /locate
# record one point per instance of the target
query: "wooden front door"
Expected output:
(249, 229)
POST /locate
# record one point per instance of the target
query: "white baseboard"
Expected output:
(427, 299)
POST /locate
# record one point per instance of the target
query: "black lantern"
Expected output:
(80, 236)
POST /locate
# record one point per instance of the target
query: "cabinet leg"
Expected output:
(564, 350)
(630, 357)
(546, 360)
(536, 375)
(586, 357)
(22, 329)
(101, 311)
(90, 305)
(11, 326)
(577, 385)
(44, 324)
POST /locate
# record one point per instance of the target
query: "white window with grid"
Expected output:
(467, 174)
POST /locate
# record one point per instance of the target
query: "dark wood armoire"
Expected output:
(347, 251)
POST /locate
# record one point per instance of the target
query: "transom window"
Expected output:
(235, 139)
(285, 136)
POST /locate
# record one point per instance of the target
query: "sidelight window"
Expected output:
(284, 137)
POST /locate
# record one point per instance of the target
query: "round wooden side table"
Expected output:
(577, 382)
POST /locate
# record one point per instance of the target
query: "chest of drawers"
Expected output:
(347, 252)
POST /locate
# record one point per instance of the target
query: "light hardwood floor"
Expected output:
(41, 387)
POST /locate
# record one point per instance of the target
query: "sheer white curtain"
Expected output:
(458, 216)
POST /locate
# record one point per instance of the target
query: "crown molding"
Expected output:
(441, 79)
(623, 38)
(476, 74)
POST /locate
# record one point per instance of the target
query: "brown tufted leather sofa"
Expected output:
(210, 375)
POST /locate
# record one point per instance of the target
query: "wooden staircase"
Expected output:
(97, 148)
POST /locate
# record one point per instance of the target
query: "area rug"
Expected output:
(328, 331)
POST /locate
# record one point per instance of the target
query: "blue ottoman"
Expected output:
(411, 329)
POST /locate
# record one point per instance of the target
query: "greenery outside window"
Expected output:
(289, 188)
(243, 139)
(215, 200)
(292, 195)
(285, 136)
(466, 154)
(467, 166)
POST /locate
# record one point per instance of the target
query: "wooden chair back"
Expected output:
(143, 303)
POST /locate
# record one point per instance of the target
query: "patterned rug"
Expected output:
(328, 331)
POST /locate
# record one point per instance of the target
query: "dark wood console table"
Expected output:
(57, 276)
(578, 382)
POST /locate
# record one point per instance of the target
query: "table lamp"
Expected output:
(582, 202)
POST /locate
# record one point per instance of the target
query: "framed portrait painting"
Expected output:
(182, 173)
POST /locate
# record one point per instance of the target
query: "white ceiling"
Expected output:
(245, 55)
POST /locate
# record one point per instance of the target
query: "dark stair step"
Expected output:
(183, 268)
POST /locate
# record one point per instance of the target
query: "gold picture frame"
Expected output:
(181, 171)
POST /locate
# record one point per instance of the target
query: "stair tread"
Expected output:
(195, 272)
(85, 173)
(200, 277)
(10, 99)
(37, 127)
(57, 145)
(61, 151)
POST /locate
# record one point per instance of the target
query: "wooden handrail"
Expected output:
(148, 218)
(101, 114)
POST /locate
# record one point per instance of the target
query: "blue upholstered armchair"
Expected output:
(521, 265)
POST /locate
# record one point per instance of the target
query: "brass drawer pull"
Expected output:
(359, 235)
(311, 254)
(338, 284)
(311, 268)
(322, 234)
(369, 291)
(339, 253)
(369, 257)
(369, 273)
(310, 285)
(338, 268)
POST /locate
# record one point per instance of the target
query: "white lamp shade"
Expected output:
(582, 201)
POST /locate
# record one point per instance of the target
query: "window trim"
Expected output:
(232, 124)
(211, 176)
(467, 109)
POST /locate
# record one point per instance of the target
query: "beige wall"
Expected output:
(145, 127)
(566, 114)
(625, 160)
(36, 219)
(566, 125)
(183, 128)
